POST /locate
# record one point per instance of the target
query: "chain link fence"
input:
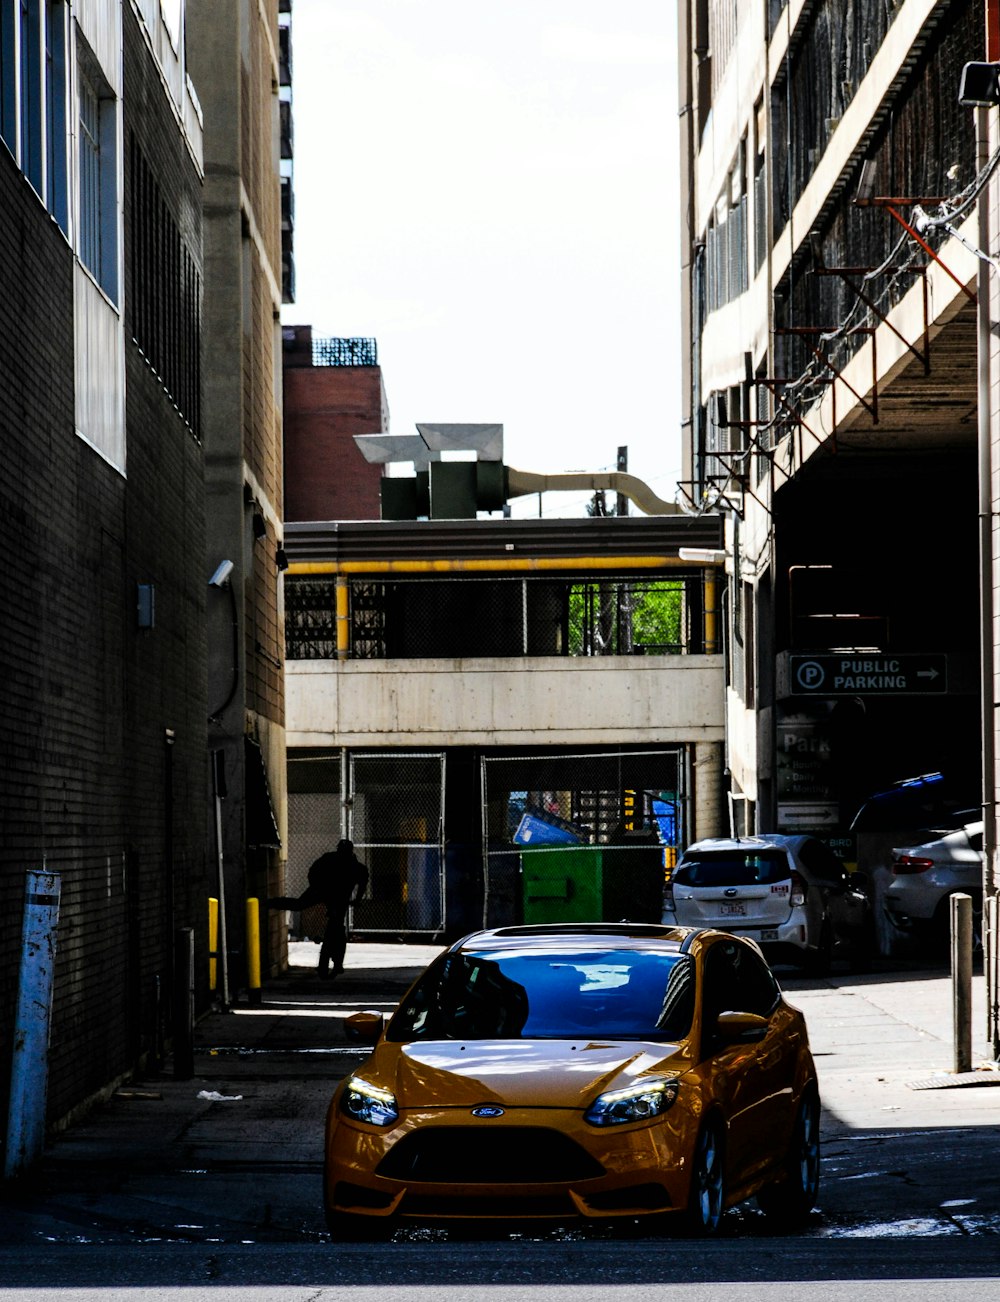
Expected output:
(415, 618)
(397, 811)
(583, 837)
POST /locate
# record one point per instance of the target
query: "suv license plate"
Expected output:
(735, 910)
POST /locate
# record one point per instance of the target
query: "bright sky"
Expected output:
(490, 190)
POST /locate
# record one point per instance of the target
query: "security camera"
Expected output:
(221, 576)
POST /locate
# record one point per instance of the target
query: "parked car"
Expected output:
(790, 894)
(579, 1072)
(925, 876)
(909, 812)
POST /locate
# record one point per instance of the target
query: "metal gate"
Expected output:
(395, 817)
(585, 837)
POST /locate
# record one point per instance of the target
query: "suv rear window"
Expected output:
(733, 868)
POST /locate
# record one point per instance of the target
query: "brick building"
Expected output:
(333, 390)
(102, 727)
(240, 56)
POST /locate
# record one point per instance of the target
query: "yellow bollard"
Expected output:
(213, 942)
(253, 950)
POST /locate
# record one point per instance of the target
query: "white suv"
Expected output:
(791, 894)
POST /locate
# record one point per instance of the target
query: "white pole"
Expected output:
(30, 1061)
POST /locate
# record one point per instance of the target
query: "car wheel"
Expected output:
(793, 1197)
(344, 1227)
(707, 1196)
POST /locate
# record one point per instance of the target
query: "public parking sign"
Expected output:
(867, 674)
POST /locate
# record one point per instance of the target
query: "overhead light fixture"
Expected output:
(281, 559)
(980, 85)
(259, 526)
(704, 555)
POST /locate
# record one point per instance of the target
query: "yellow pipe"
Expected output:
(711, 643)
(253, 950)
(498, 565)
(343, 618)
(213, 942)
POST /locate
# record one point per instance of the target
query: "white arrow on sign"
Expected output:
(927, 673)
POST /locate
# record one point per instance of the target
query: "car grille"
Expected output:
(480, 1155)
(488, 1205)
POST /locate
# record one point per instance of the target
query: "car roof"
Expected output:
(568, 935)
(763, 841)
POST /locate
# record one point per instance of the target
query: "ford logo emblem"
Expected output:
(487, 1110)
(730, 893)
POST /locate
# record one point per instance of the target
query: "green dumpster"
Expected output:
(562, 885)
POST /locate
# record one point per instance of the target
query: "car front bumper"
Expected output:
(632, 1170)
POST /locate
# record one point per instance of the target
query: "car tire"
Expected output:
(707, 1194)
(792, 1198)
(345, 1227)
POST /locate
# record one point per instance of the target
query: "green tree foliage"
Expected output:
(613, 618)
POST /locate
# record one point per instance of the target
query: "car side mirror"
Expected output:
(741, 1028)
(364, 1028)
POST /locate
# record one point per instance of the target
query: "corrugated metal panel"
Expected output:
(99, 370)
(502, 539)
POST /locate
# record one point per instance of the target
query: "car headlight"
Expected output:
(639, 1102)
(364, 1102)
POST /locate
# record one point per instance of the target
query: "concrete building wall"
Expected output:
(233, 59)
(606, 700)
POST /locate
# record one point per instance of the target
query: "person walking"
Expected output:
(335, 879)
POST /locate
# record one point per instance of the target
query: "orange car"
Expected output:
(559, 1073)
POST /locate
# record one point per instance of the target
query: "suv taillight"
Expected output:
(799, 890)
(908, 863)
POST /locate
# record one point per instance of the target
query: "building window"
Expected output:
(164, 292)
(33, 82)
(57, 189)
(98, 215)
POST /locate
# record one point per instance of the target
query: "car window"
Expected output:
(520, 994)
(748, 867)
(976, 841)
(736, 980)
(821, 861)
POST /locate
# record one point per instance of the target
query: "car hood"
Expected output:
(516, 1073)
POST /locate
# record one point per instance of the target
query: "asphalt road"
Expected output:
(165, 1194)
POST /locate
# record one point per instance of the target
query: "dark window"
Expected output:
(736, 980)
(165, 300)
(821, 862)
(732, 868)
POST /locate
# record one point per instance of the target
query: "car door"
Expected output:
(753, 1080)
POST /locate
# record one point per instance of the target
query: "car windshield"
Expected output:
(524, 994)
(732, 868)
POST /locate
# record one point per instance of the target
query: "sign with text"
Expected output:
(852, 673)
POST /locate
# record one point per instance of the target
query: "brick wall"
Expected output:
(326, 477)
(89, 786)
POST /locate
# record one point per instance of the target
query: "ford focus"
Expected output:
(579, 1073)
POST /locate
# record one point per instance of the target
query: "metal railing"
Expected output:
(344, 352)
(500, 617)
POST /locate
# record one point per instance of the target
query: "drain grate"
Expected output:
(956, 1080)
